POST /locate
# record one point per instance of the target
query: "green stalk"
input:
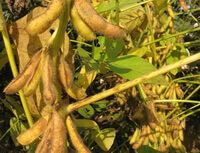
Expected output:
(117, 11)
(171, 36)
(80, 42)
(147, 10)
(13, 65)
(58, 38)
(197, 105)
(193, 92)
(193, 10)
(135, 5)
(187, 81)
(186, 115)
(176, 100)
(56, 41)
(141, 92)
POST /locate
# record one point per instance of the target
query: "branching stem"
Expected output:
(121, 87)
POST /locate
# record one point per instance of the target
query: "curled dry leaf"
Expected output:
(74, 136)
(33, 133)
(24, 76)
(96, 22)
(42, 22)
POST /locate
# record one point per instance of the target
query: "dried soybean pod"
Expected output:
(24, 76)
(74, 136)
(65, 74)
(151, 138)
(76, 92)
(33, 82)
(139, 142)
(82, 28)
(47, 80)
(180, 133)
(96, 22)
(42, 22)
(45, 144)
(135, 136)
(34, 132)
(59, 134)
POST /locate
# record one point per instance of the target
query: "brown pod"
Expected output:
(33, 133)
(45, 144)
(152, 113)
(24, 76)
(65, 74)
(74, 136)
(139, 142)
(34, 81)
(82, 28)
(96, 22)
(59, 134)
(42, 22)
(49, 92)
(151, 137)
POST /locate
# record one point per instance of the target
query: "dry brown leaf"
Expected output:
(26, 46)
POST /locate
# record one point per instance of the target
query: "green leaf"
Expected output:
(131, 67)
(16, 128)
(13, 106)
(138, 51)
(108, 48)
(110, 6)
(99, 105)
(173, 56)
(85, 123)
(87, 60)
(133, 18)
(105, 138)
(145, 149)
(160, 6)
(86, 111)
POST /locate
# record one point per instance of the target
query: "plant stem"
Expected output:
(13, 65)
(68, 109)
(56, 41)
(80, 42)
(135, 5)
(197, 105)
(171, 36)
(141, 92)
(193, 92)
(117, 11)
(187, 81)
(193, 10)
(186, 115)
(147, 10)
(60, 33)
(176, 100)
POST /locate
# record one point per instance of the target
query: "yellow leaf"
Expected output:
(85, 78)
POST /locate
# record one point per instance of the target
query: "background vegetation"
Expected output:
(155, 37)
